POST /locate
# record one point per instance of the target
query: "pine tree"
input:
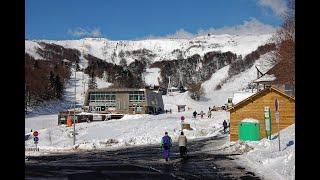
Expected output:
(51, 90)
(92, 84)
(36, 65)
(58, 87)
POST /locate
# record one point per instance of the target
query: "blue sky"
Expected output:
(132, 19)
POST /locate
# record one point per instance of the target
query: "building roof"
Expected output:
(181, 105)
(265, 78)
(240, 96)
(256, 96)
(116, 89)
(283, 73)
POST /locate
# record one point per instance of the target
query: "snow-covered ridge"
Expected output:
(161, 48)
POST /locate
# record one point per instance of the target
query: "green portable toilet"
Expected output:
(249, 130)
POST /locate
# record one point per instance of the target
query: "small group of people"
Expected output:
(168, 111)
(202, 113)
(166, 144)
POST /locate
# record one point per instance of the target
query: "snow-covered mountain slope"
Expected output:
(152, 76)
(213, 97)
(158, 49)
(78, 82)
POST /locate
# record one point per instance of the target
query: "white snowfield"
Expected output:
(130, 130)
(162, 48)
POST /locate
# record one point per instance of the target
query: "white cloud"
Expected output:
(279, 7)
(180, 34)
(77, 32)
(96, 32)
(80, 32)
(252, 26)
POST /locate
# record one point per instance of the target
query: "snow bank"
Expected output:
(264, 158)
(250, 120)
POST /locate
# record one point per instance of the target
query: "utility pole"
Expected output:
(75, 100)
(169, 87)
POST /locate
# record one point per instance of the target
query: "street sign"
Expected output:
(35, 133)
(277, 114)
(276, 104)
(267, 119)
(36, 139)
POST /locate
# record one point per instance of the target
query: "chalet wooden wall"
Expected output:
(255, 109)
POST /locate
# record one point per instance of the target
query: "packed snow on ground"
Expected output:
(130, 130)
(264, 158)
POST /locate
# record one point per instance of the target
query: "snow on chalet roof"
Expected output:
(240, 96)
(250, 120)
(265, 78)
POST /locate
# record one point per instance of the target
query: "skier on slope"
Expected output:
(166, 144)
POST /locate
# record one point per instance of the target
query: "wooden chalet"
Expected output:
(253, 107)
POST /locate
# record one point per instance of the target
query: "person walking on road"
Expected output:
(225, 126)
(182, 140)
(166, 144)
(195, 114)
(209, 113)
(201, 114)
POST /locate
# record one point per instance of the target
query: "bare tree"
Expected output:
(195, 90)
(285, 52)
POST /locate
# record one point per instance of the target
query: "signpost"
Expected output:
(267, 119)
(36, 139)
(75, 118)
(182, 121)
(277, 114)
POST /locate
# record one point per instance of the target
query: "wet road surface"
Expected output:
(143, 162)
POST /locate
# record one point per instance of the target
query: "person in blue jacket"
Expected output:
(166, 144)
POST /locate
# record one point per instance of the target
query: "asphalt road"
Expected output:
(143, 162)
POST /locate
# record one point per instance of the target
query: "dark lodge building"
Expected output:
(123, 101)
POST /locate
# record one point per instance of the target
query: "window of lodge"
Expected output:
(136, 96)
(106, 97)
